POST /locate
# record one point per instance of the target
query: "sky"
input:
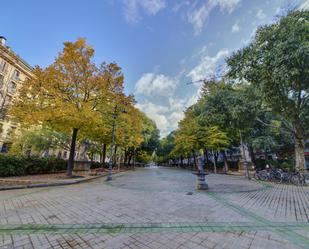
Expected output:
(161, 45)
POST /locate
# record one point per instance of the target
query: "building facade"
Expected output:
(13, 71)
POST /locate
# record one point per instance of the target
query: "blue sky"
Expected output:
(160, 44)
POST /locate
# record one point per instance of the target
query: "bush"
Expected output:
(96, 165)
(18, 166)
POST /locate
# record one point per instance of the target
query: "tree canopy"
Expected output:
(276, 64)
(74, 95)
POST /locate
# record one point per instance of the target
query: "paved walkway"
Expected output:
(156, 208)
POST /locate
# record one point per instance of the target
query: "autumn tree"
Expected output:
(64, 95)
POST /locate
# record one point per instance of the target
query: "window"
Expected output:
(16, 75)
(1, 80)
(11, 87)
(8, 100)
(3, 65)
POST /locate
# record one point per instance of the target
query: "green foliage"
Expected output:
(143, 157)
(95, 165)
(18, 166)
(276, 64)
(151, 140)
(36, 141)
(166, 146)
(265, 96)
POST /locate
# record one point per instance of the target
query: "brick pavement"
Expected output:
(151, 208)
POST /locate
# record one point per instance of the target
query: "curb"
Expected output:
(42, 185)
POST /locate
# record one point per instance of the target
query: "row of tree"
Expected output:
(74, 100)
(263, 99)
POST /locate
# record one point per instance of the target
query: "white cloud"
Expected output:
(156, 113)
(151, 84)
(305, 5)
(207, 66)
(166, 115)
(197, 16)
(260, 14)
(245, 42)
(132, 8)
(235, 28)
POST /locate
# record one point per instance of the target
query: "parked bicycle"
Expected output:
(298, 178)
(268, 174)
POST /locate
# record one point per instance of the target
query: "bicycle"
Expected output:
(300, 178)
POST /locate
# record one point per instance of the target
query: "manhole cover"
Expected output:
(52, 216)
(190, 193)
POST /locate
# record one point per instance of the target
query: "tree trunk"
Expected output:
(252, 155)
(72, 153)
(125, 156)
(134, 158)
(115, 155)
(299, 146)
(206, 158)
(129, 160)
(103, 155)
(226, 165)
(188, 159)
(181, 161)
(215, 162)
(194, 160)
(265, 154)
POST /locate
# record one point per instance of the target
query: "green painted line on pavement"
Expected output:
(9, 229)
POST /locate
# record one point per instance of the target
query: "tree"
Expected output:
(64, 95)
(216, 140)
(150, 134)
(186, 137)
(276, 64)
(229, 108)
(165, 148)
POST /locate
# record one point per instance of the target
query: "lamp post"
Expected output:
(110, 163)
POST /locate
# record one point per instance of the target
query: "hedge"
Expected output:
(18, 166)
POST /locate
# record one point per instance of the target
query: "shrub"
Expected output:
(17, 166)
(96, 165)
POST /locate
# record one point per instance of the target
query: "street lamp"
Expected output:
(110, 163)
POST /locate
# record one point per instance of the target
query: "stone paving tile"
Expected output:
(278, 203)
(158, 196)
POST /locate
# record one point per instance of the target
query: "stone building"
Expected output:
(13, 71)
